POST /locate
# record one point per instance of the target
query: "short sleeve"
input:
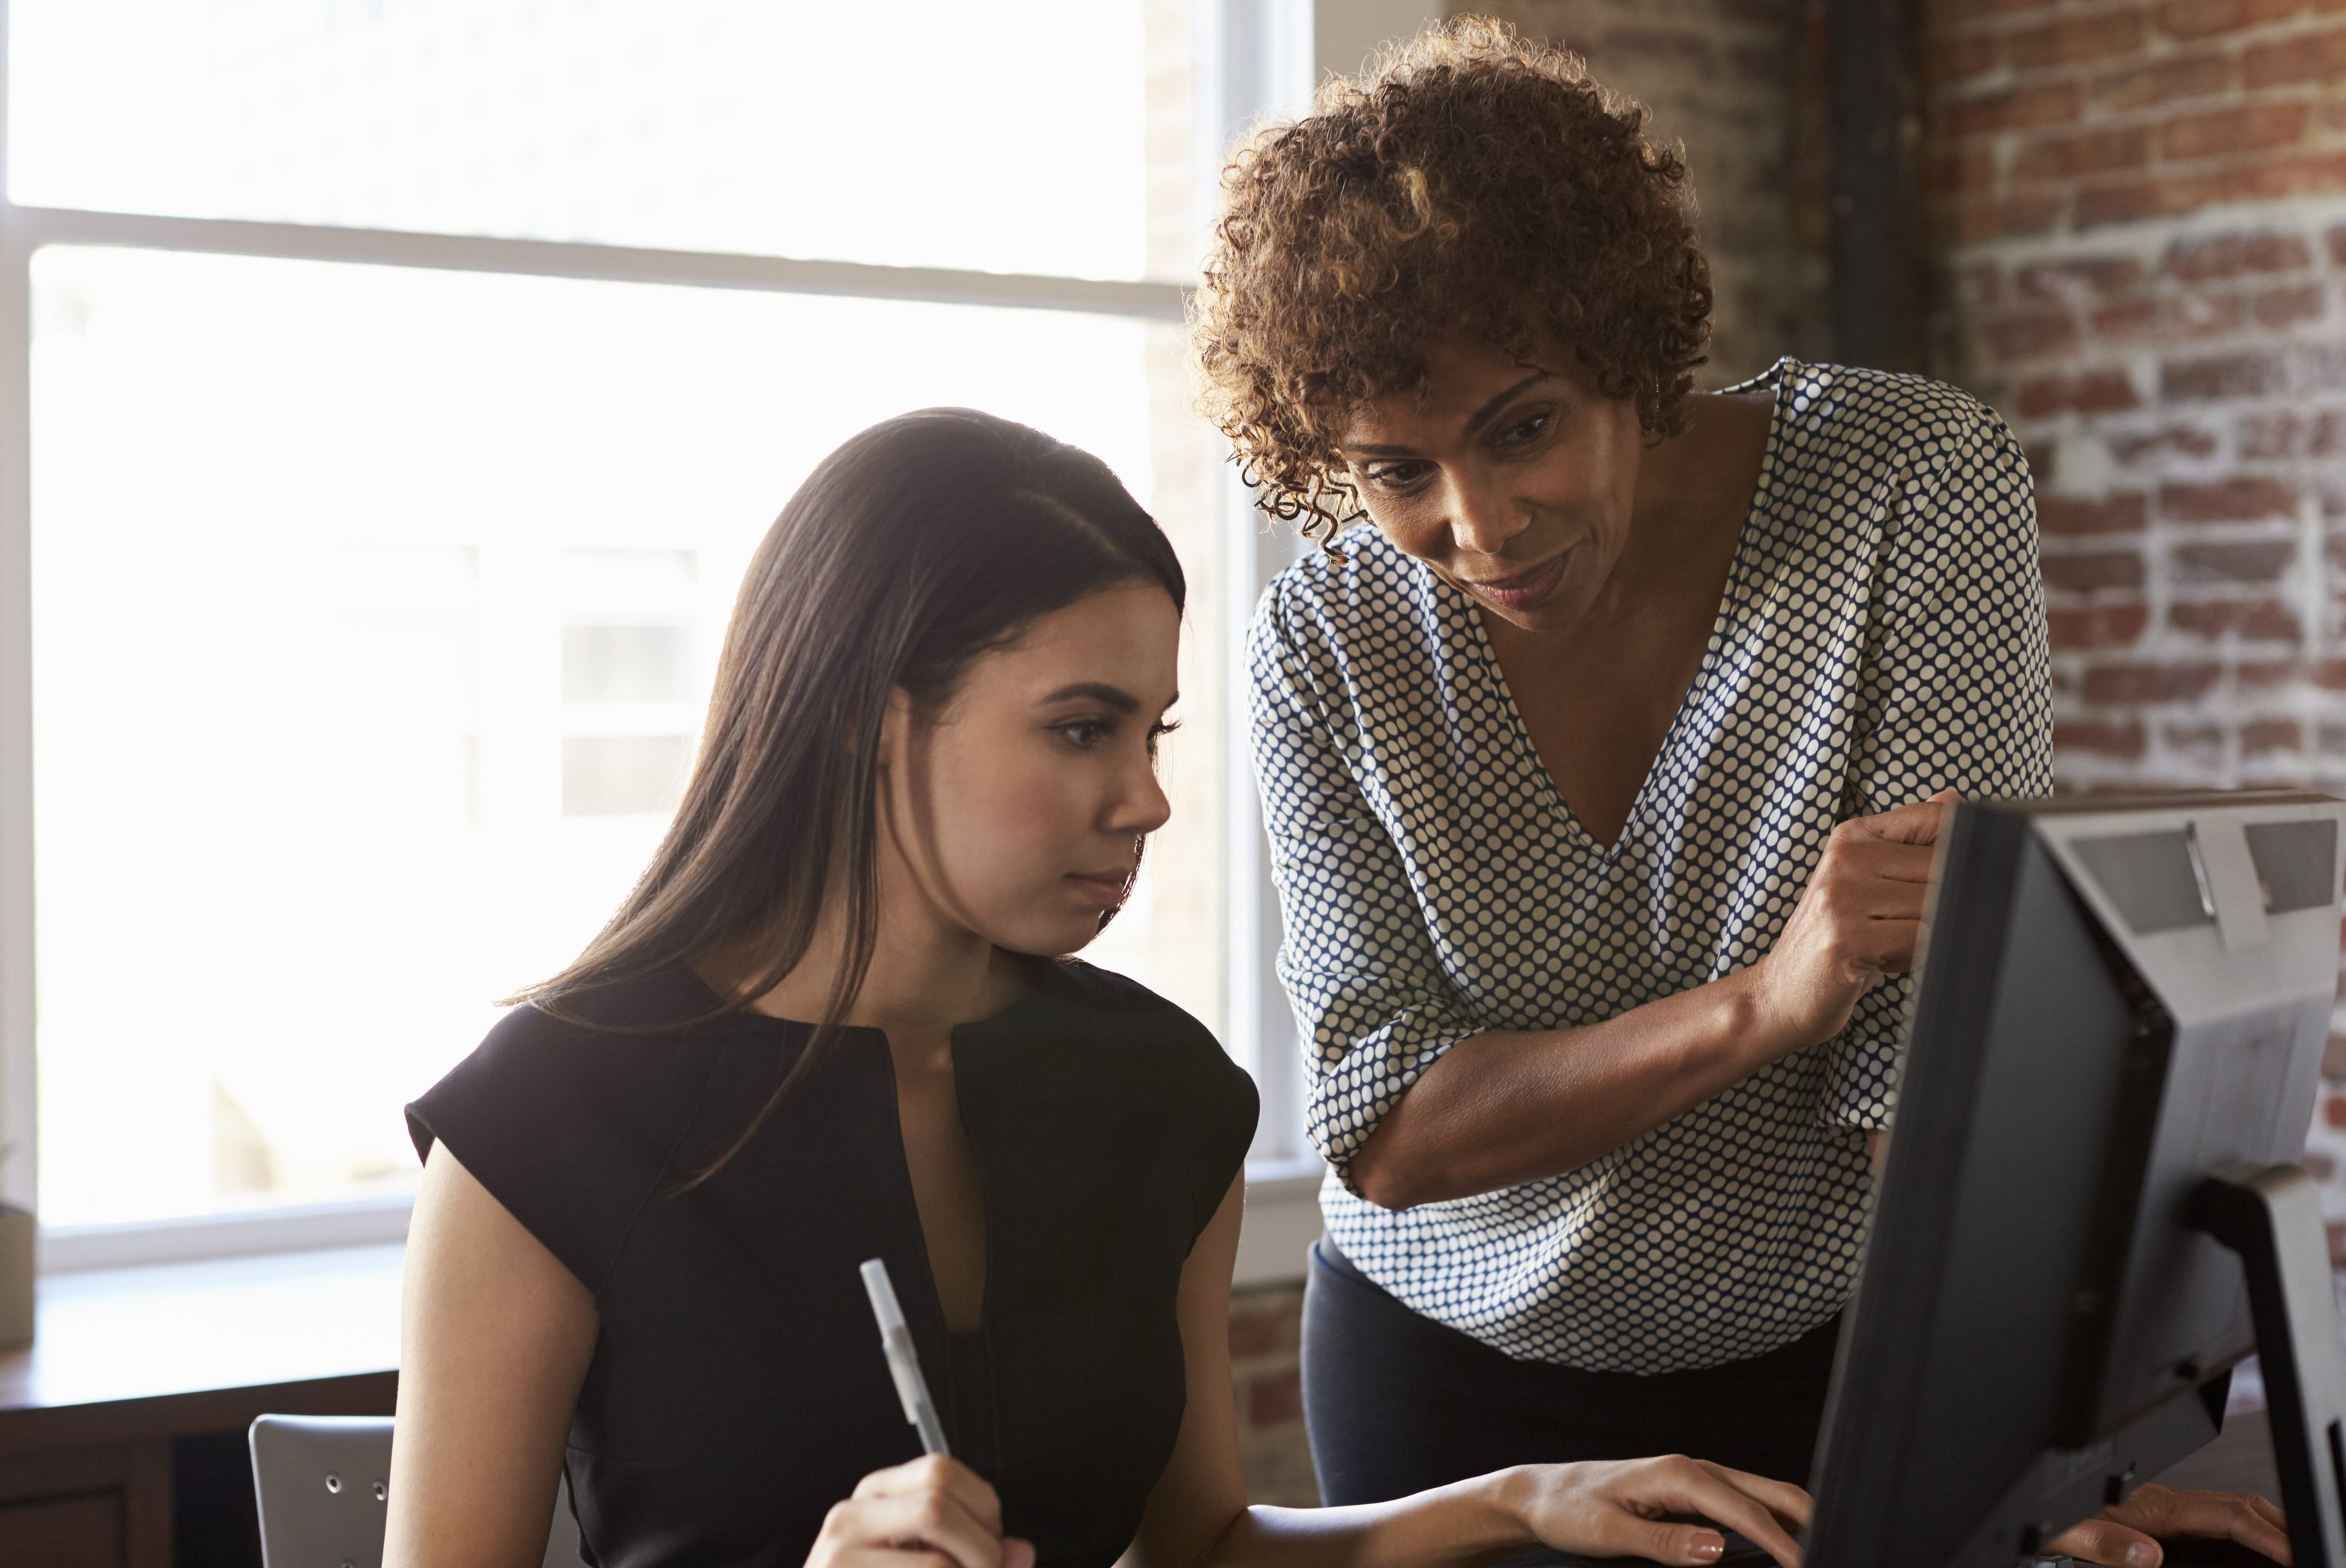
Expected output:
(1956, 689)
(569, 1126)
(1359, 966)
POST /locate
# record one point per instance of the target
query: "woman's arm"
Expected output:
(1197, 1516)
(495, 1337)
(1511, 1106)
(1399, 1120)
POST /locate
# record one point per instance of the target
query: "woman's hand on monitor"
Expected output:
(933, 1511)
(2128, 1535)
(1857, 919)
(1638, 1508)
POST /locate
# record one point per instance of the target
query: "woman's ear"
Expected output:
(895, 730)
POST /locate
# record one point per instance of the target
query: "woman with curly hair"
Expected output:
(1601, 769)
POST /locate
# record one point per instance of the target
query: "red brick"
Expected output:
(2077, 277)
(2255, 561)
(2178, 439)
(1259, 1330)
(2278, 307)
(2222, 376)
(2044, 334)
(2333, 1059)
(2202, 314)
(1273, 1398)
(2206, 18)
(2096, 627)
(2230, 132)
(1968, 167)
(2095, 392)
(2074, 39)
(1958, 60)
(2300, 58)
(2201, 743)
(2233, 255)
(2122, 740)
(2115, 513)
(2049, 159)
(1980, 283)
(1976, 221)
(2270, 178)
(2260, 674)
(2287, 433)
(2196, 73)
(2167, 196)
(2256, 620)
(2334, 1111)
(2263, 735)
(2128, 319)
(2150, 682)
(2270, 435)
(2086, 572)
(2227, 501)
(2015, 108)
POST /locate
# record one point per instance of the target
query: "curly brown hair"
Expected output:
(1467, 183)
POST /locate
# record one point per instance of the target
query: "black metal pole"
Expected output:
(2273, 1218)
(1877, 319)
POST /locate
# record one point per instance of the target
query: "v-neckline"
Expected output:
(1730, 596)
(907, 1195)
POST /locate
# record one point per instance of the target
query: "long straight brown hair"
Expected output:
(917, 546)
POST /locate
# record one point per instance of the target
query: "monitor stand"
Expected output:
(2273, 1218)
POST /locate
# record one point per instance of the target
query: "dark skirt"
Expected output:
(1397, 1402)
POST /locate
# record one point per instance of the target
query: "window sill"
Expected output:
(1282, 1219)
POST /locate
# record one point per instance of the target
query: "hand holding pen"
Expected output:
(930, 1508)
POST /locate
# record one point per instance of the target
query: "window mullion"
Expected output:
(39, 226)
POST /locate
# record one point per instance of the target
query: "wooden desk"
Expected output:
(131, 1366)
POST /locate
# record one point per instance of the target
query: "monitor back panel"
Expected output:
(2032, 1307)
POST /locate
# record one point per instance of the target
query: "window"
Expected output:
(407, 384)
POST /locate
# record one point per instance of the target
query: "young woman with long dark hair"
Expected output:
(832, 1022)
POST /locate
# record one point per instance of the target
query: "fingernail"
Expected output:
(1706, 1549)
(2142, 1554)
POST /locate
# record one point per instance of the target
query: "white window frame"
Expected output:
(1254, 57)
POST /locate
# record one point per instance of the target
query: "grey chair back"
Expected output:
(323, 1483)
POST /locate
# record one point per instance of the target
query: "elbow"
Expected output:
(1385, 1177)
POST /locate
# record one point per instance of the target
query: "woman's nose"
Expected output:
(1482, 520)
(1141, 807)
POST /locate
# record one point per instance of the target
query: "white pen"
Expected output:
(903, 1361)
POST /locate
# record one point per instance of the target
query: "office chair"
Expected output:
(321, 1484)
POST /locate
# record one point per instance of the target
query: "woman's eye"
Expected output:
(1526, 430)
(1083, 732)
(1157, 732)
(1394, 475)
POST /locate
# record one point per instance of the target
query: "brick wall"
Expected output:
(1265, 1330)
(2137, 219)
(1739, 83)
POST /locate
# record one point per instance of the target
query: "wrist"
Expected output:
(1505, 1506)
(1758, 1019)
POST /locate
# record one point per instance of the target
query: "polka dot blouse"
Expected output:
(1882, 637)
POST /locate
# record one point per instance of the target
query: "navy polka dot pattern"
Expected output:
(1882, 637)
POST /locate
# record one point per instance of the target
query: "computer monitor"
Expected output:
(2117, 1033)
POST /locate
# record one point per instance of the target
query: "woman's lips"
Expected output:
(1526, 589)
(1106, 889)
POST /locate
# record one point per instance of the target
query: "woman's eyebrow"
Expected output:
(1115, 696)
(1490, 410)
(1475, 422)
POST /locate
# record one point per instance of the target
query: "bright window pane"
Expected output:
(374, 613)
(1036, 135)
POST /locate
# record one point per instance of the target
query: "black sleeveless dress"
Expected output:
(738, 1387)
